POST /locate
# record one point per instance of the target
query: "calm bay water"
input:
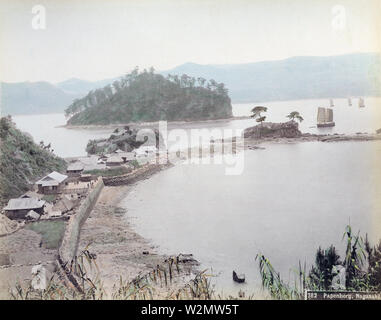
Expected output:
(290, 199)
(72, 142)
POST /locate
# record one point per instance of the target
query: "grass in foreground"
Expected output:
(87, 284)
(362, 265)
(51, 232)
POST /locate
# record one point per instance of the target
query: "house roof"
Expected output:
(52, 179)
(76, 166)
(63, 205)
(97, 166)
(31, 194)
(24, 204)
(114, 159)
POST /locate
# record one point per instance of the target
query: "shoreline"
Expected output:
(307, 137)
(121, 251)
(153, 123)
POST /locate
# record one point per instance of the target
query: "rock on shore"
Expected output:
(288, 129)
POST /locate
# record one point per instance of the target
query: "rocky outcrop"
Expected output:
(288, 129)
(126, 139)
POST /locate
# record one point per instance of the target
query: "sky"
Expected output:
(100, 39)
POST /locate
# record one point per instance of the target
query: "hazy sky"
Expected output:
(105, 38)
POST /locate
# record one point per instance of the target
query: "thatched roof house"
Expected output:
(114, 161)
(75, 169)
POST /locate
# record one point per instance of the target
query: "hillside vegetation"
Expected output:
(22, 161)
(146, 96)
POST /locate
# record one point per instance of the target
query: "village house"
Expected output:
(75, 169)
(114, 161)
(20, 207)
(53, 183)
(64, 205)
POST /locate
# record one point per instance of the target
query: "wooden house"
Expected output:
(75, 169)
(114, 161)
(53, 183)
(19, 208)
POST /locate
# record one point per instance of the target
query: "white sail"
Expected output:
(325, 115)
(331, 102)
(361, 103)
(321, 115)
(329, 115)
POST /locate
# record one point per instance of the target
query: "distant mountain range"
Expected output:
(43, 97)
(289, 79)
(295, 78)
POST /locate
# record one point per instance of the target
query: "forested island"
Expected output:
(147, 97)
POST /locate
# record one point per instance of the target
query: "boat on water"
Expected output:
(361, 103)
(331, 103)
(349, 102)
(325, 118)
(238, 278)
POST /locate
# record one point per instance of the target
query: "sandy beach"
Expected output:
(121, 252)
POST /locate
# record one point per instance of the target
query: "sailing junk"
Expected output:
(331, 103)
(325, 118)
(361, 103)
(349, 102)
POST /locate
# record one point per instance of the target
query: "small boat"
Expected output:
(331, 103)
(238, 278)
(361, 103)
(349, 102)
(325, 118)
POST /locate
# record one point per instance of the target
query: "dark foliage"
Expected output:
(22, 161)
(321, 274)
(146, 96)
